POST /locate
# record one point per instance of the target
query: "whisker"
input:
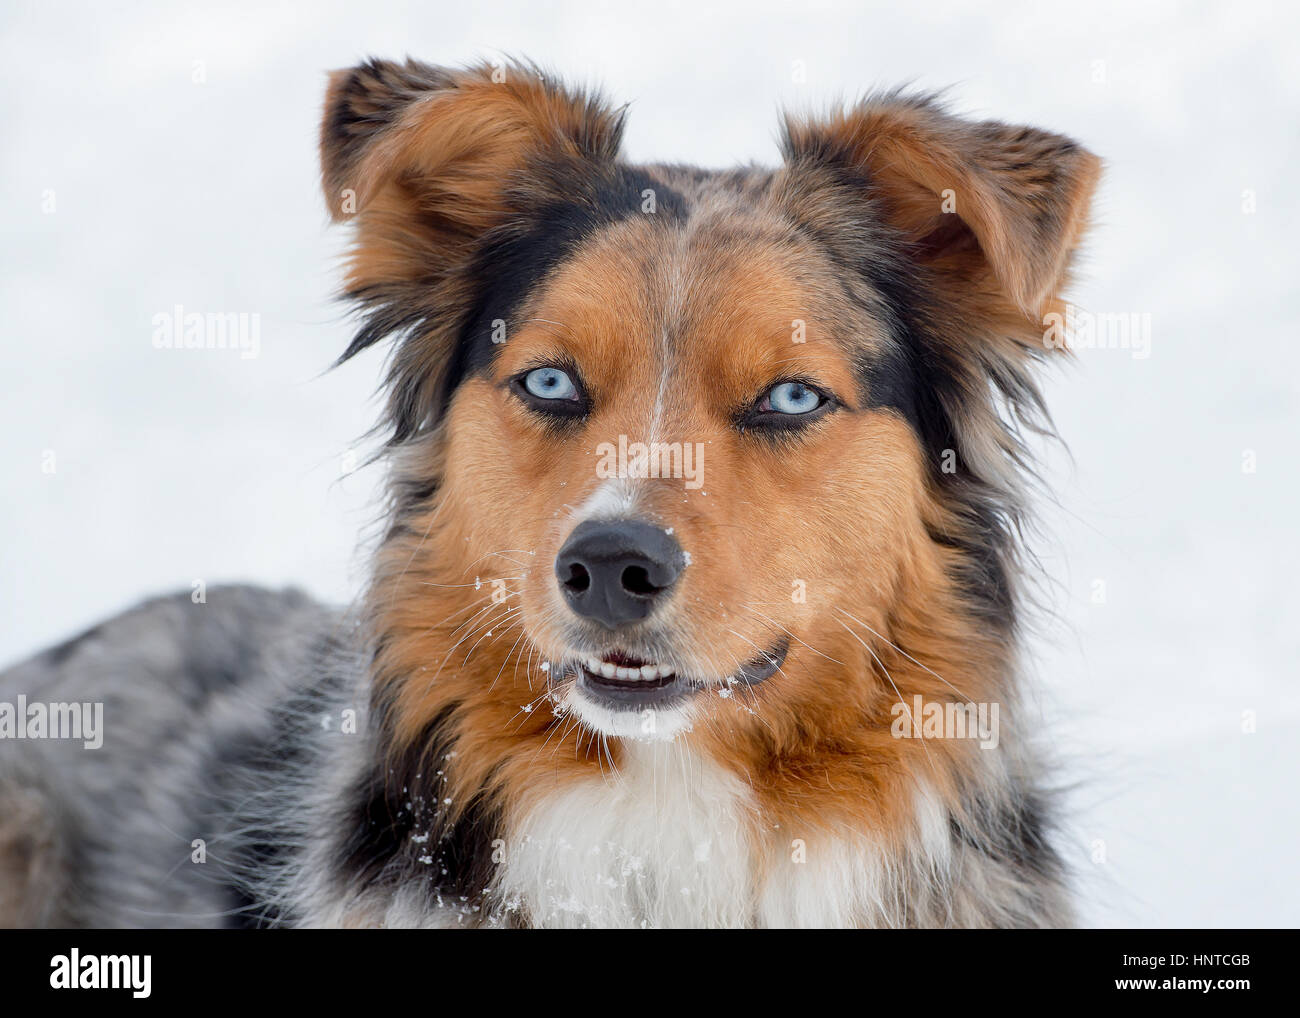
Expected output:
(890, 679)
(425, 583)
(749, 607)
(906, 655)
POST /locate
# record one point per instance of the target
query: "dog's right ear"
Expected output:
(427, 162)
(449, 137)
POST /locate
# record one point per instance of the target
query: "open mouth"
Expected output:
(624, 681)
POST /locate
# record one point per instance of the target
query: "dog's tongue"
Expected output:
(623, 660)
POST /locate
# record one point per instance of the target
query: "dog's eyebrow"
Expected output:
(547, 321)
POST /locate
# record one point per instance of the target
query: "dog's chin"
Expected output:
(637, 724)
(621, 696)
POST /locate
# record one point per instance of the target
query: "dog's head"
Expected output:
(690, 449)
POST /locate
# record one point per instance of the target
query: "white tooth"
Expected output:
(608, 671)
(592, 664)
(649, 672)
(665, 671)
(626, 674)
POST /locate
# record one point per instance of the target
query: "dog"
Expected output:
(701, 588)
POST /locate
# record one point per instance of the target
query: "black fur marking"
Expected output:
(512, 264)
(915, 377)
(1011, 833)
(393, 807)
(258, 847)
(380, 829)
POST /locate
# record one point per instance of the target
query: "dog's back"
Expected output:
(140, 830)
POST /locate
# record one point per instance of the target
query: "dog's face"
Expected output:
(691, 446)
(675, 444)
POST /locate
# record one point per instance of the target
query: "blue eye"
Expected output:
(792, 398)
(550, 383)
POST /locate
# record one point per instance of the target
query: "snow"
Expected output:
(172, 467)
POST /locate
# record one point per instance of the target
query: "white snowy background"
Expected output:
(175, 466)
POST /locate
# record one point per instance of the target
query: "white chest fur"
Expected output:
(666, 841)
(672, 840)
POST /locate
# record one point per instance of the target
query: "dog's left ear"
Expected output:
(995, 205)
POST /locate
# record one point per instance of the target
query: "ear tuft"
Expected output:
(385, 120)
(361, 103)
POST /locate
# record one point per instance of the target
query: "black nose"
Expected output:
(615, 571)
